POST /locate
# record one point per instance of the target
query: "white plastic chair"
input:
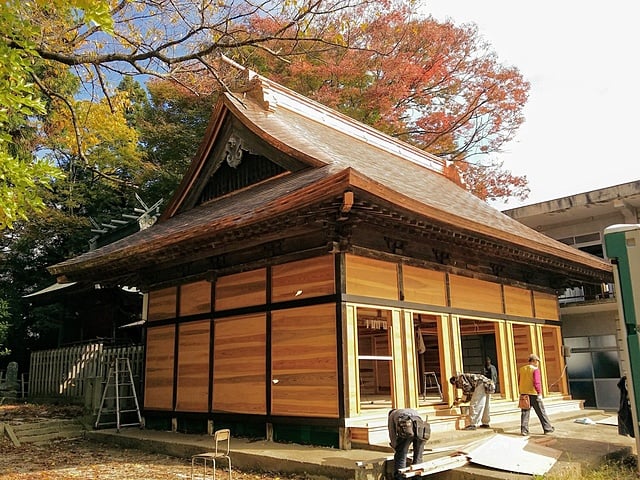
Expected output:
(221, 440)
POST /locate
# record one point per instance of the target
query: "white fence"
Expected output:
(78, 374)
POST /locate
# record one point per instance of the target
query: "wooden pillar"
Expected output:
(504, 347)
(350, 366)
(402, 348)
(411, 356)
(450, 352)
(510, 374)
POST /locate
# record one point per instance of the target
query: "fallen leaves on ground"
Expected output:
(33, 412)
(81, 458)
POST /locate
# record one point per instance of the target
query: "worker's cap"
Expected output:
(534, 358)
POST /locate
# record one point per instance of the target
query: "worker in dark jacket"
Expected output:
(401, 442)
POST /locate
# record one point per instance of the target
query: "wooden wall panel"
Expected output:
(522, 344)
(304, 362)
(162, 304)
(193, 367)
(239, 364)
(308, 278)
(517, 301)
(158, 393)
(424, 286)
(553, 359)
(371, 278)
(195, 298)
(546, 306)
(474, 294)
(243, 289)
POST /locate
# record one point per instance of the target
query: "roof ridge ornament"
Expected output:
(251, 84)
(261, 92)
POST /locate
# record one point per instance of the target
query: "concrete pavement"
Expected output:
(582, 446)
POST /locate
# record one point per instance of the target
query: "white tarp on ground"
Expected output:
(612, 420)
(513, 454)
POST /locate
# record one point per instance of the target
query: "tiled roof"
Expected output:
(354, 156)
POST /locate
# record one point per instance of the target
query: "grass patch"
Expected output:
(619, 469)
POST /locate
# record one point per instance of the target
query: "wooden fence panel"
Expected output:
(67, 372)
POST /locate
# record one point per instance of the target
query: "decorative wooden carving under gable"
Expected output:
(240, 169)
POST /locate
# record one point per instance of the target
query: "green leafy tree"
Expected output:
(29, 248)
(21, 177)
(103, 41)
(171, 125)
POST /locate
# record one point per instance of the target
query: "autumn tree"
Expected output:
(436, 85)
(101, 41)
(66, 58)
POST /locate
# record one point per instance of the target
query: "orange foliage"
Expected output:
(436, 85)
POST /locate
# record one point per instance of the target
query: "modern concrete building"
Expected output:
(589, 315)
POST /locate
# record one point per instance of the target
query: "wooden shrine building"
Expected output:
(310, 269)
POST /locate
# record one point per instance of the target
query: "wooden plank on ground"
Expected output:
(434, 466)
(10, 433)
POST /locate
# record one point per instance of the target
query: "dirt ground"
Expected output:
(80, 458)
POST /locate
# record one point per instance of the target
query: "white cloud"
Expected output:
(580, 58)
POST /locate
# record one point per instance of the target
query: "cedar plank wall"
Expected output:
(160, 350)
(552, 362)
(241, 289)
(193, 348)
(162, 304)
(522, 343)
(304, 362)
(474, 294)
(303, 279)
(158, 377)
(193, 366)
(371, 278)
(195, 298)
(240, 343)
(240, 364)
(517, 301)
(304, 376)
(424, 286)
(546, 306)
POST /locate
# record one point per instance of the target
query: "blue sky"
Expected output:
(581, 127)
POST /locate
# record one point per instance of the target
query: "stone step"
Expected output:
(374, 433)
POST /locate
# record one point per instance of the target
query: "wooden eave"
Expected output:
(537, 244)
(189, 237)
(250, 207)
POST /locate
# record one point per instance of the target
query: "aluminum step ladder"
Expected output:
(119, 396)
(430, 382)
